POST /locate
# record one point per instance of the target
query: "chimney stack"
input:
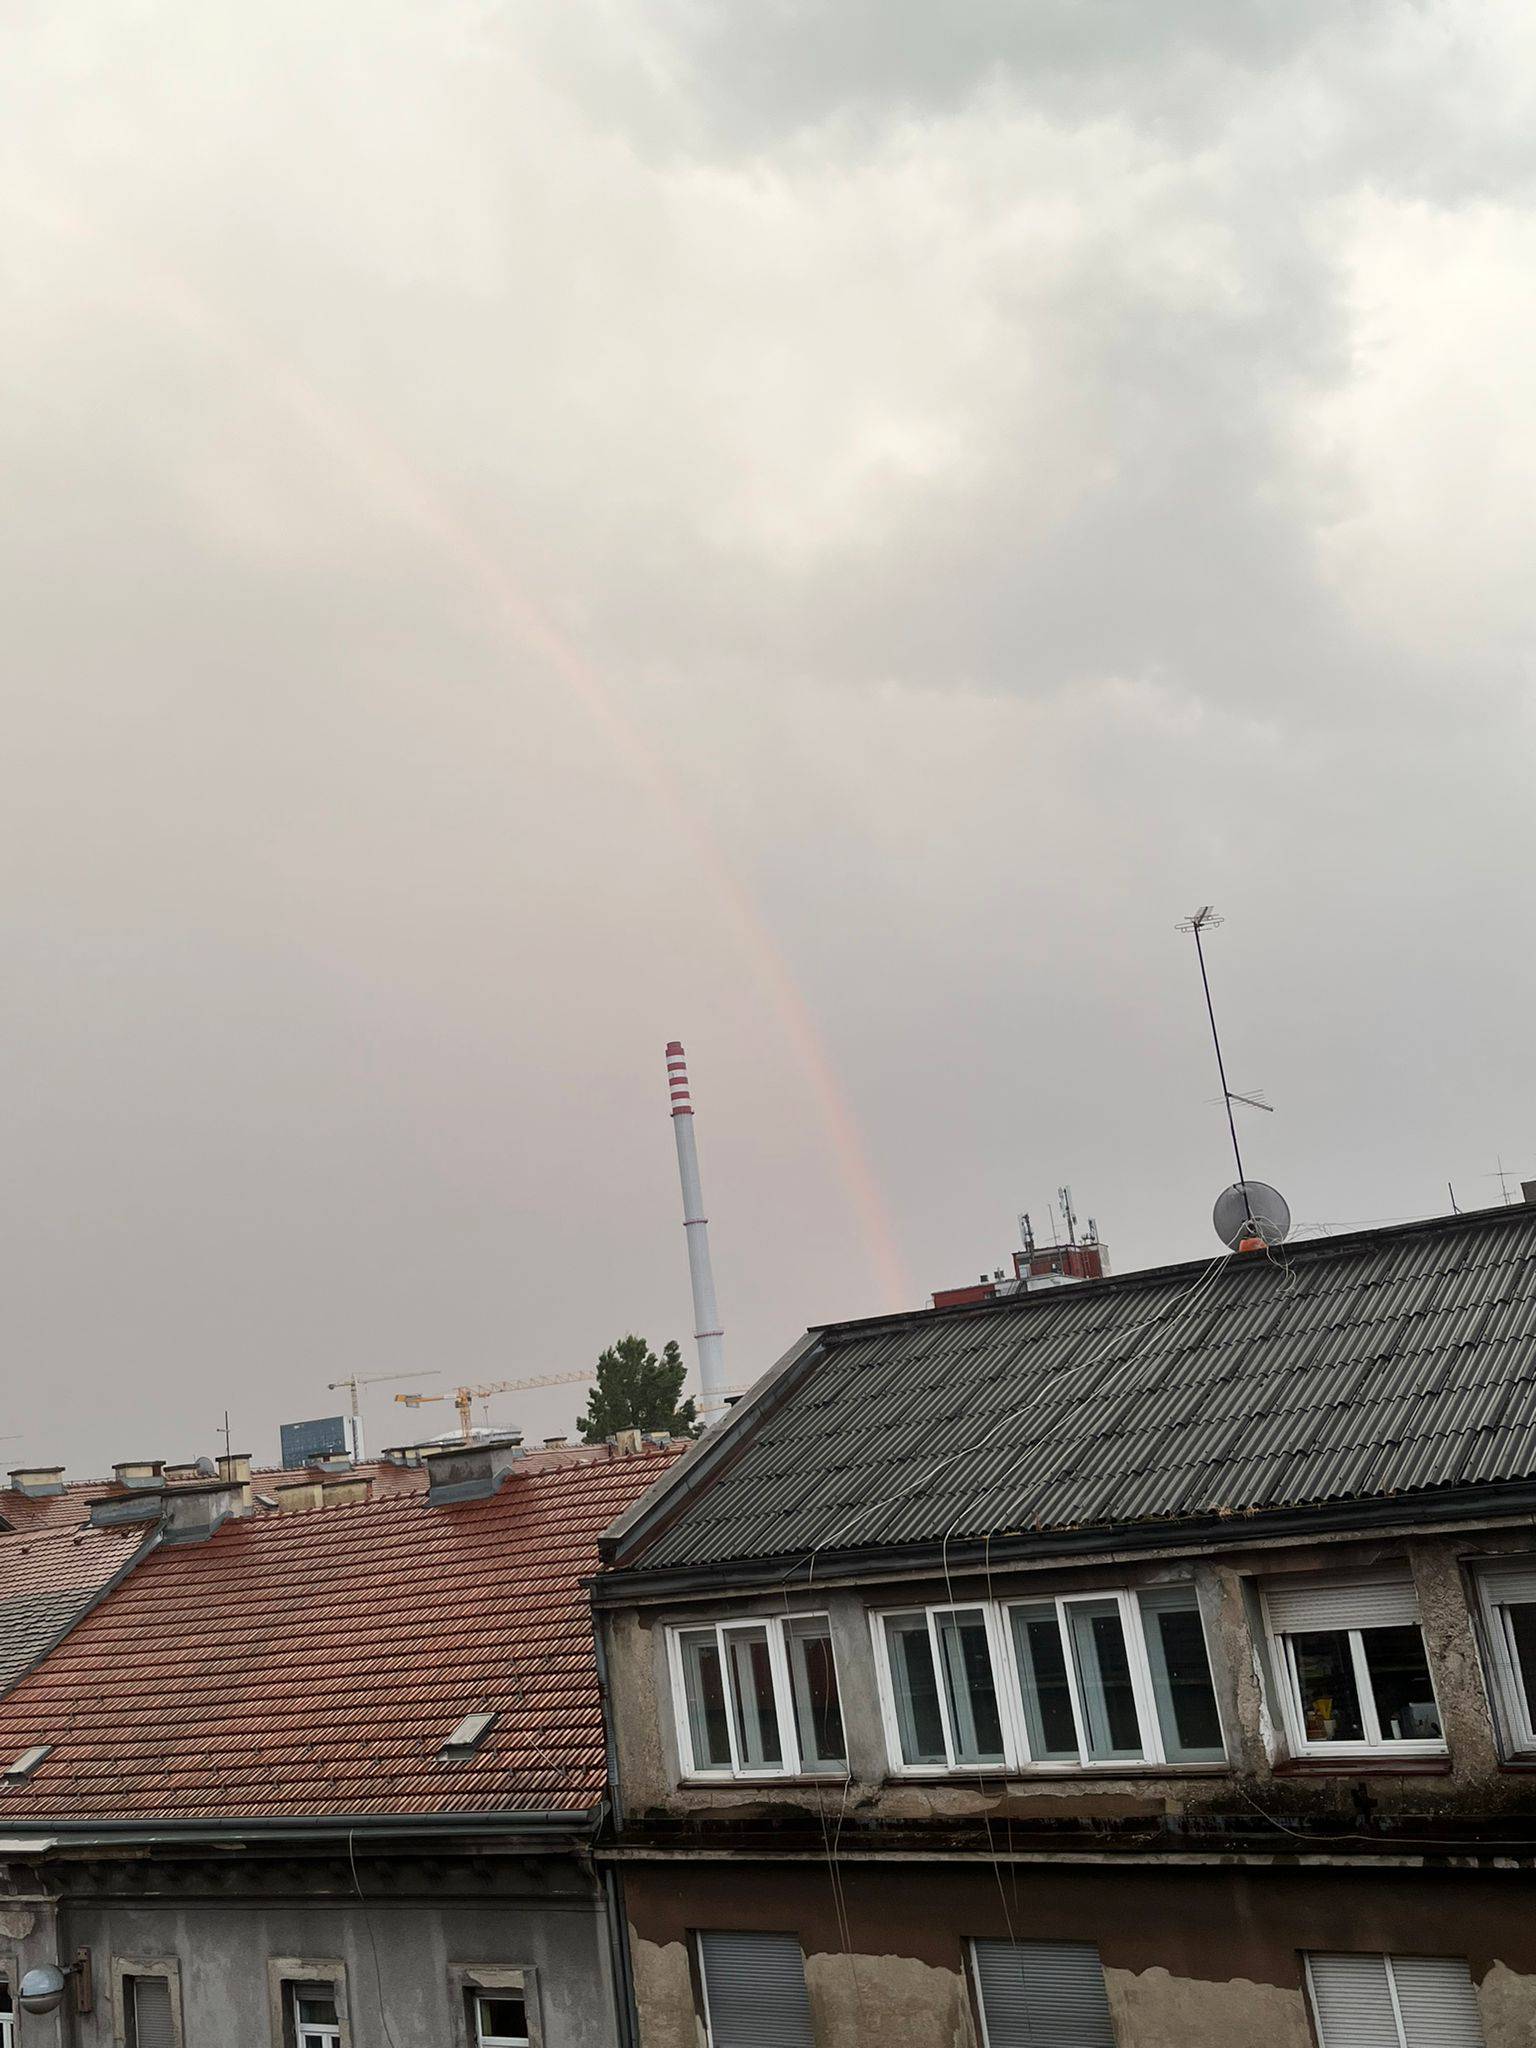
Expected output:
(38, 1482)
(707, 1334)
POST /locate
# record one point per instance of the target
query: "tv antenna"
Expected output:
(1267, 1217)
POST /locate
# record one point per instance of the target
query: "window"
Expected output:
(7, 2017)
(149, 2009)
(1508, 1596)
(758, 1698)
(1365, 2001)
(1032, 1992)
(496, 2005)
(314, 2015)
(754, 1991)
(1351, 1668)
(498, 2019)
(146, 2001)
(1095, 1680)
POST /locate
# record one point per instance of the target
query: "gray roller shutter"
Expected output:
(152, 2013)
(1437, 2001)
(1366, 2001)
(1042, 1994)
(754, 1990)
(1301, 1604)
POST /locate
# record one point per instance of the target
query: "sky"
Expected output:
(821, 530)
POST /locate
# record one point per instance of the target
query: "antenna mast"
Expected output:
(1205, 919)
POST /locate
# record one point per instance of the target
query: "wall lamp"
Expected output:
(43, 1989)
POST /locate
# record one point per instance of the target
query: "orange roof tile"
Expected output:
(313, 1665)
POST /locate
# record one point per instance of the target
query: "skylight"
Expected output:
(467, 1737)
(26, 1763)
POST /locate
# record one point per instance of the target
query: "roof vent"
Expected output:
(19, 1771)
(38, 1481)
(466, 1738)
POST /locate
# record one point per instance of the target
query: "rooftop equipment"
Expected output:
(707, 1333)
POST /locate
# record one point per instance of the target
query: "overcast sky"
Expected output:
(819, 529)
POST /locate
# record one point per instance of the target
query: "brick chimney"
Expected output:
(191, 1514)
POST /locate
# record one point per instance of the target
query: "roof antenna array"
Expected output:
(1250, 1213)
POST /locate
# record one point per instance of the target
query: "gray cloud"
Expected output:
(534, 530)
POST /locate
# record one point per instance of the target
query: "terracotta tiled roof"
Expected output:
(313, 1665)
(49, 1578)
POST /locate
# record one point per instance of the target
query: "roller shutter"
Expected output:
(1299, 1604)
(1042, 1994)
(152, 2013)
(1366, 2001)
(754, 1990)
(1510, 1585)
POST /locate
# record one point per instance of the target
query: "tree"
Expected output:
(637, 1390)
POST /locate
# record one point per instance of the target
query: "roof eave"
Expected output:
(628, 1586)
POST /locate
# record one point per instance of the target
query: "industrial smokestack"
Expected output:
(707, 1333)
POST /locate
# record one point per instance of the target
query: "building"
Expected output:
(318, 1779)
(1147, 1662)
(1036, 1265)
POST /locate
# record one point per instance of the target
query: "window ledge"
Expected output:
(769, 1782)
(1057, 1774)
(1364, 1766)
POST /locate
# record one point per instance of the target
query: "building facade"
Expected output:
(1149, 1662)
(325, 1779)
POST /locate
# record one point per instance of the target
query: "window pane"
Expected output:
(500, 2019)
(970, 1687)
(1405, 1699)
(1104, 1678)
(1043, 1680)
(1325, 1674)
(1181, 1678)
(317, 2009)
(916, 1689)
(757, 1714)
(704, 1687)
(1521, 1622)
(813, 1680)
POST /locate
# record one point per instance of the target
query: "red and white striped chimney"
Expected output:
(707, 1333)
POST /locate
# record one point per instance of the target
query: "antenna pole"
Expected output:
(1196, 925)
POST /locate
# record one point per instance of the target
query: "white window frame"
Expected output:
(1009, 1682)
(285, 1974)
(776, 1627)
(484, 2040)
(1497, 1584)
(9, 1979)
(1288, 1682)
(887, 1689)
(314, 2033)
(1389, 1961)
(492, 1980)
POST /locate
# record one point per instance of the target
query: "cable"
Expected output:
(378, 1974)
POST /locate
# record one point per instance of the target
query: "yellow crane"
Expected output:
(464, 1398)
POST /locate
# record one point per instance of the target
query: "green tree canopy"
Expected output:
(637, 1390)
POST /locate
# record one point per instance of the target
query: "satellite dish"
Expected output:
(207, 1468)
(1251, 1208)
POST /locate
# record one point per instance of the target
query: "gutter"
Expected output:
(580, 1823)
(629, 1586)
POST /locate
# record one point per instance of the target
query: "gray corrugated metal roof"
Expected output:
(1391, 1362)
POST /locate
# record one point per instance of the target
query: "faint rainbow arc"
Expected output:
(370, 455)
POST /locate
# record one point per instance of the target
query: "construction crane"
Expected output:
(368, 1379)
(464, 1398)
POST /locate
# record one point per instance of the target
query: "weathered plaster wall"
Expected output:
(224, 1919)
(1472, 1778)
(1193, 1959)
